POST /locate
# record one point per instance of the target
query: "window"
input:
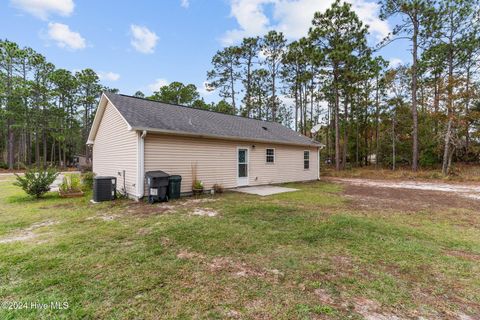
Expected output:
(270, 156)
(306, 160)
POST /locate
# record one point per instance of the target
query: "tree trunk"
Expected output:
(44, 144)
(448, 132)
(414, 96)
(11, 144)
(394, 140)
(337, 128)
(436, 100)
(377, 115)
(232, 87)
(345, 133)
(446, 150)
(467, 113)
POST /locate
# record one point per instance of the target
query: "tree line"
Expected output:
(45, 112)
(424, 112)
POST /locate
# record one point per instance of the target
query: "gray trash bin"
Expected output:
(157, 184)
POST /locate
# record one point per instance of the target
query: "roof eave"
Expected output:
(220, 137)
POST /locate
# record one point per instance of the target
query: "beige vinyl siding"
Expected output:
(216, 161)
(115, 150)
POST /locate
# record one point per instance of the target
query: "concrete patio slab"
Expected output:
(264, 190)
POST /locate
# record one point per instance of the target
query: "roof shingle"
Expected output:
(143, 114)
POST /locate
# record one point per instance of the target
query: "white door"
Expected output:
(242, 167)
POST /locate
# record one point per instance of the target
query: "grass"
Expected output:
(301, 255)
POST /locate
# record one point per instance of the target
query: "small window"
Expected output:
(306, 160)
(270, 156)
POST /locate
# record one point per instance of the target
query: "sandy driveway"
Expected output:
(464, 190)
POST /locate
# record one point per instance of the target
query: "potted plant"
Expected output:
(70, 186)
(197, 187)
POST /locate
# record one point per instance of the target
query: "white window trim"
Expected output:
(305, 159)
(274, 153)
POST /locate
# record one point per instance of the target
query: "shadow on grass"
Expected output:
(24, 198)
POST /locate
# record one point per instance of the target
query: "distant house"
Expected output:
(131, 136)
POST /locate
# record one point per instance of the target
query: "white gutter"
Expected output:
(141, 163)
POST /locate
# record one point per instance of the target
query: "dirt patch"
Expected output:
(411, 200)
(192, 202)
(204, 212)
(464, 255)
(469, 191)
(238, 269)
(370, 310)
(104, 217)
(27, 233)
(143, 208)
(189, 255)
(323, 296)
(144, 231)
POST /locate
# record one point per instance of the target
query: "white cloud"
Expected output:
(143, 40)
(185, 3)
(159, 82)
(203, 89)
(395, 62)
(64, 37)
(43, 8)
(108, 76)
(251, 18)
(292, 17)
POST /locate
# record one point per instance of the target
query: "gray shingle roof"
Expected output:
(143, 114)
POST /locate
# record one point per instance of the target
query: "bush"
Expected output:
(36, 181)
(3, 165)
(71, 183)
(87, 180)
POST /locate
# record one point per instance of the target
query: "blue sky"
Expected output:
(138, 45)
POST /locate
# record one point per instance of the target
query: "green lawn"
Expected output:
(303, 255)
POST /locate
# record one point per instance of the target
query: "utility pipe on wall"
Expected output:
(141, 164)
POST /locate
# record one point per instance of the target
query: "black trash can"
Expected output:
(104, 188)
(174, 186)
(157, 184)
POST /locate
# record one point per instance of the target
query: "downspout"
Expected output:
(141, 165)
(318, 163)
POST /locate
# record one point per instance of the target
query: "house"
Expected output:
(131, 136)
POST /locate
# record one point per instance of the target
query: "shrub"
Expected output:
(36, 181)
(218, 188)
(3, 165)
(87, 180)
(70, 183)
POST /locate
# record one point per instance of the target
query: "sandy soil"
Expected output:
(27, 233)
(410, 195)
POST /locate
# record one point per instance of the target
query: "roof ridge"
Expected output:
(183, 106)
